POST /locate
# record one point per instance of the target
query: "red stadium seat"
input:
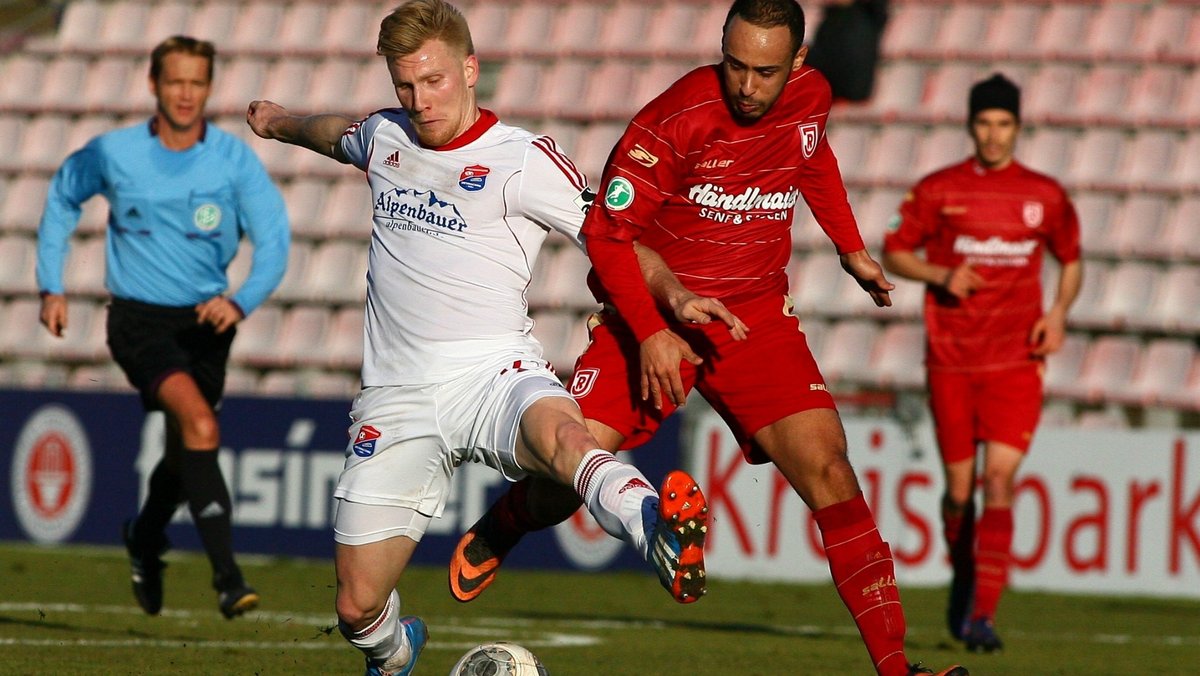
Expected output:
(1013, 27)
(84, 271)
(337, 272)
(1063, 30)
(257, 27)
(1181, 237)
(300, 27)
(1150, 160)
(846, 353)
(302, 336)
(23, 203)
(1174, 305)
(258, 337)
(344, 342)
(124, 28)
(1161, 371)
(1139, 225)
(19, 254)
(1063, 367)
(911, 28)
(1050, 94)
(962, 29)
(899, 356)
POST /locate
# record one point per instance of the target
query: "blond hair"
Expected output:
(416, 22)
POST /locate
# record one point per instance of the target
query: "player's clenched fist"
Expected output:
(261, 116)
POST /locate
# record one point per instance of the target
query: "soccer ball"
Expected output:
(499, 659)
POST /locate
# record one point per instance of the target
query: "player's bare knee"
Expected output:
(997, 488)
(200, 431)
(357, 609)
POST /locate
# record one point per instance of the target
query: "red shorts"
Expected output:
(750, 383)
(969, 408)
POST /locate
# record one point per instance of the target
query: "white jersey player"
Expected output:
(451, 373)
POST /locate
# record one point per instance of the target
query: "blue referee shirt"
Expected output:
(175, 217)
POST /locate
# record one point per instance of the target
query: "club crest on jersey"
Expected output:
(1032, 212)
(418, 211)
(582, 382)
(619, 194)
(364, 443)
(473, 178)
(207, 217)
(810, 133)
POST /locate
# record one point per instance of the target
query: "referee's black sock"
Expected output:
(208, 500)
(162, 499)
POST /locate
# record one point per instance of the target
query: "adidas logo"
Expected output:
(633, 483)
(133, 213)
(392, 160)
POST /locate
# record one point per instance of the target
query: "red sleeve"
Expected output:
(643, 171)
(1063, 242)
(823, 190)
(917, 221)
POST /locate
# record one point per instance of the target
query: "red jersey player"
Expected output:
(708, 175)
(984, 224)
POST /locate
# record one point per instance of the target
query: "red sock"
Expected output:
(992, 556)
(958, 528)
(861, 564)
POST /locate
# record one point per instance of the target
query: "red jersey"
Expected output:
(715, 197)
(999, 222)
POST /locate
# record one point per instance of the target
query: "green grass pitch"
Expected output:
(69, 610)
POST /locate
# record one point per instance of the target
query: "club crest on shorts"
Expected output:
(582, 382)
(364, 443)
(810, 133)
(1032, 213)
(473, 178)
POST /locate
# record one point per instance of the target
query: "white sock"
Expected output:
(618, 496)
(383, 641)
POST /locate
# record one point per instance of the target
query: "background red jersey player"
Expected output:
(984, 224)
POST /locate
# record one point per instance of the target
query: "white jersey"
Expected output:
(456, 233)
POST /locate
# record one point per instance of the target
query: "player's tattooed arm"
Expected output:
(319, 133)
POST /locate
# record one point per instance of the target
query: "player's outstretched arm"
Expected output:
(869, 276)
(319, 133)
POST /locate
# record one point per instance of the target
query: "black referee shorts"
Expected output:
(150, 342)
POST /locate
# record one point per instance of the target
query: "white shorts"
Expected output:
(407, 440)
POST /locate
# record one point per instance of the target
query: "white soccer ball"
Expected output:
(499, 659)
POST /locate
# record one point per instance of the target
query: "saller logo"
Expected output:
(619, 194)
(642, 156)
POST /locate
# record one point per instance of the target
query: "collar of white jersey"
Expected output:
(487, 119)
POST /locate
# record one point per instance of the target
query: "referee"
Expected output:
(181, 193)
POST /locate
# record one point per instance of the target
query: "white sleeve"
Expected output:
(553, 192)
(357, 140)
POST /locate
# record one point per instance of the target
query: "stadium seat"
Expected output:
(1130, 288)
(674, 23)
(348, 212)
(517, 87)
(1088, 309)
(33, 374)
(240, 381)
(874, 214)
(1106, 370)
(300, 27)
(1063, 367)
(1096, 211)
(258, 337)
(1051, 93)
(563, 335)
(305, 197)
(594, 146)
(61, 81)
(12, 128)
(560, 280)
(106, 83)
(20, 328)
(530, 28)
(1097, 155)
(943, 146)
(331, 87)
(948, 87)
(489, 27)
(1163, 30)
(846, 352)
(609, 90)
(77, 28)
(1048, 150)
(911, 28)
(257, 27)
(351, 28)
(567, 97)
(624, 27)
(1104, 94)
(23, 203)
(891, 154)
(242, 80)
(1186, 173)
(168, 17)
(35, 153)
(962, 29)
(1154, 96)
(575, 28)
(1181, 237)
(1139, 225)
(344, 343)
(1113, 30)
(1150, 160)
(1062, 31)
(1013, 28)
(85, 338)
(286, 82)
(899, 356)
(302, 337)
(815, 280)
(337, 272)
(814, 330)
(1187, 397)
(295, 279)
(1161, 371)
(19, 254)
(123, 28)
(1173, 307)
(851, 144)
(899, 90)
(704, 41)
